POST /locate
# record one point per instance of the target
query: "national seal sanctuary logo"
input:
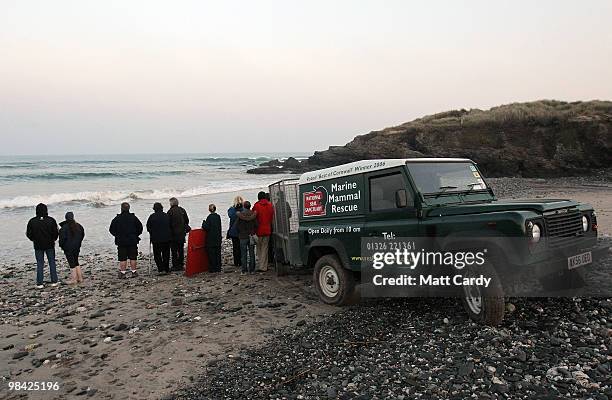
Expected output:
(315, 202)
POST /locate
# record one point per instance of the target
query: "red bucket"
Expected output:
(197, 258)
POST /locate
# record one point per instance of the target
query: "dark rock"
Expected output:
(69, 387)
(520, 355)
(120, 327)
(555, 341)
(97, 314)
(19, 355)
(500, 388)
(465, 369)
(427, 355)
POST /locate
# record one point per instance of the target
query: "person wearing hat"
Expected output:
(160, 235)
(71, 235)
(42, 231)
(126, 228)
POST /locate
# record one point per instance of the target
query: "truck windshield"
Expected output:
(442, 177)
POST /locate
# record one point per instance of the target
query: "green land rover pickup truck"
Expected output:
(322, 217)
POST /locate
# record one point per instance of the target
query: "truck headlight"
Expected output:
(585, 223)
(534, 232)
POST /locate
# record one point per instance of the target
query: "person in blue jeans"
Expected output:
(232, 232)
(247, 223)
(42, 231)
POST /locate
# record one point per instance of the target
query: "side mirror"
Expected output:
(401, 199)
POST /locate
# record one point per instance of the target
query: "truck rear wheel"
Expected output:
(333, 283)
(484, 305)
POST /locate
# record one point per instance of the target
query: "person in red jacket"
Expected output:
(264, 212)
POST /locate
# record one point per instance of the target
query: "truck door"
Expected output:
(390, 207)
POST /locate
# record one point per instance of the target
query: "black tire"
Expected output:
(492, 301)
(340, 283)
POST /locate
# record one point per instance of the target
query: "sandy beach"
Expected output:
(150, 336)
(142, 337)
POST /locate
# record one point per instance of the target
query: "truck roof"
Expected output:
(362, 166)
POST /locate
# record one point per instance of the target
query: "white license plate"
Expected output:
(579, 260)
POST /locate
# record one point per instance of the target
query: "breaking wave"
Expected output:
(90, 175)
(228, 159)
(108, 198)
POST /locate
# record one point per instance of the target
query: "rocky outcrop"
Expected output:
(536, 139)
(291, 165)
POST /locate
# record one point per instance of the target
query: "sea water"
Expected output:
(93, 187)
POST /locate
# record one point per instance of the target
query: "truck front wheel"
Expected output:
(334, 284)
(485, 305)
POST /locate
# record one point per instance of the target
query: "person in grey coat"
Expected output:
(179, 227)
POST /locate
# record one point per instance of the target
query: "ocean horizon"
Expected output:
(93, 185)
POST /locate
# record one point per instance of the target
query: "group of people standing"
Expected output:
(167, 231)
(250, 227)
(42, 231)
(167, 234)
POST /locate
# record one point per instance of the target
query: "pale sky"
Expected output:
(253, 76)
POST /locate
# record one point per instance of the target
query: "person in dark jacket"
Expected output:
(179, 226)
(232, 232)
(158, 226)
(212, 226)
(247, 224)
(71, 235)
(126, 228)
(42, 231)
